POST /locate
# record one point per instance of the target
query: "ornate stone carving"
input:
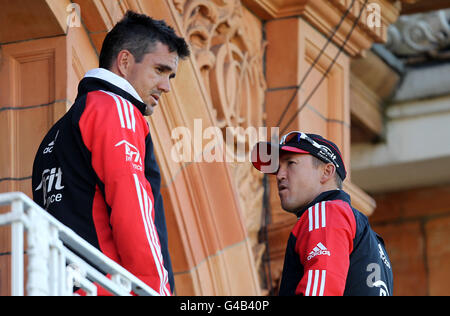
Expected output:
(230, 63)
(420, 33)
(230, 59)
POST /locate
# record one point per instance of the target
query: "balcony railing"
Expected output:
(53, 269)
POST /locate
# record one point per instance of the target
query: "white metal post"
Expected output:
(55, 249)
(17, 250)
(61, 274)
(38, 255)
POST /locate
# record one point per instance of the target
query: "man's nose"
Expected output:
(164, 85)
(281, 174)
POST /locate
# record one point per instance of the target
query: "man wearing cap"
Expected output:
(332, 249)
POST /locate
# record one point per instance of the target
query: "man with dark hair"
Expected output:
(96, 171)
(139, 34)
(332, 249)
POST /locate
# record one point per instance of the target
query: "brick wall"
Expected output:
(415, 225)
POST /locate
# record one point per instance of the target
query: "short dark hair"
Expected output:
(139, 33)
(317, 163)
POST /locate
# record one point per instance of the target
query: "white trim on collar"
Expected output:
(104, 74)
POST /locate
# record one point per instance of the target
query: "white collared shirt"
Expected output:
(122, 83)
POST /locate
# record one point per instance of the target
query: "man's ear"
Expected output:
(328, 172)
(124, 62)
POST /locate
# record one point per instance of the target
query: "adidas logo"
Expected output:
(320, 249)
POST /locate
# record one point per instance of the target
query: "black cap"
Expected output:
(301, 143)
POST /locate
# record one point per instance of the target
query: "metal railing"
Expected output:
(53, 269)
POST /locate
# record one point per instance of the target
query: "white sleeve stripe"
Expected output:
(314, 277)
(119, 108)
(323, 214)
(156, 251)
(322, 282)
(316, 281)
(144, 206)
(153, 246)
(154, 238)
(318, 219)
(133, 119)
(310, 218)
(316, 212)
(126, 111)
(308, 286)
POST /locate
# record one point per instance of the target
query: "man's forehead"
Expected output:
(162, 51)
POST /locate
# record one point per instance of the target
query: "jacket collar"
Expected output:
(326, 196)
(102, 79)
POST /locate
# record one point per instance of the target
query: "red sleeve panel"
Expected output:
(325, 234)
(114, 132)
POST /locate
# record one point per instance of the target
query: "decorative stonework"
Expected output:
(420, 33)
(324, 15)
(230, 62)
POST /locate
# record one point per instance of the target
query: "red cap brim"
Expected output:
(294, 150)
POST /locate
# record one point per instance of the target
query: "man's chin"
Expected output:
(289, 208)
(291, 211)
(149, 110)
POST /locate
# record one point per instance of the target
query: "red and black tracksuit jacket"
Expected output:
(332, 250)
(96, 172)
